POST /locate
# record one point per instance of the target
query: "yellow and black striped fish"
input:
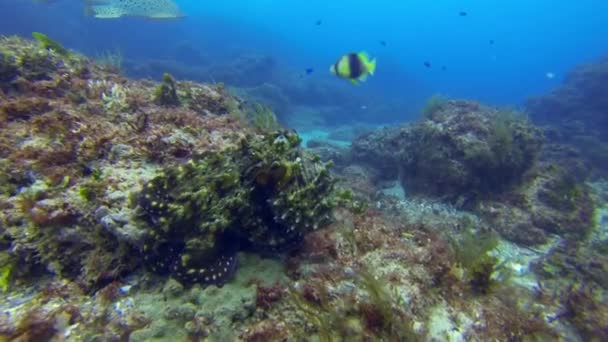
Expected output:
(354, 67)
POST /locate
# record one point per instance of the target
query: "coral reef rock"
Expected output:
(459, 151)
(84, 152)
(103, 178)
(551, 201)
(577, 110)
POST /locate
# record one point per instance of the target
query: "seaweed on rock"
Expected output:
(166, 93)
(263, 196)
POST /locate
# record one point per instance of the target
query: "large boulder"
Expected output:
(577, 113)
(461, 150)
(580, 99)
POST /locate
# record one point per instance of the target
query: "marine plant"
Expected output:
(472, 261)
(115, 99)
(262, 117)
(206, 99)
(257, 115)
(323, 318)
(90, 190)
(8, 69)
(512, 148)
(262, 196)
(465, 151)
(49, 44)
(371, 314)
(39, 64)
(502, 134)
(378, 313)
(5, 276)
(112, 59)
(433, 103)
(586, 308)
(568, 198)
(564, 193)
(166, 93)
(267, 296)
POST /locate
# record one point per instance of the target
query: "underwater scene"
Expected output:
(320, 170)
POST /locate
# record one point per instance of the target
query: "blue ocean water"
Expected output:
(500, 52)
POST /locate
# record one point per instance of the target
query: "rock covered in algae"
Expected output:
(263, 196)
(76, 139)
(461, 150)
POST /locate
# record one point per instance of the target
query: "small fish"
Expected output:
(462, 14)
(491, 41)
(383, 43)
(354, 67)
(444, 68)
(318, 22)
(427, 64)
(306, 72)
(110, 9)
(550, 75)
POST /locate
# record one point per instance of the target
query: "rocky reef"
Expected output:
(574, 113)
(147, 211)
(461, 150)
(78, 141)
(488, 160)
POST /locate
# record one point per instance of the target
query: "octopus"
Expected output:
(262, 197)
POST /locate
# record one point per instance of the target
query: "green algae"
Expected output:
(373, 314)
(50, 44)
(325, 319)
(8, 68)
(565, 193)
(433, 104)
(264, 195)
(5, 276)
(263, 118)
(385, 321)
(471, 253)
(116, 99)
(166, 93)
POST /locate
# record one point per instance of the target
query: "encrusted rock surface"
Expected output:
(96, 169)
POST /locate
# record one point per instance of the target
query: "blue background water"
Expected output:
(531, 38)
